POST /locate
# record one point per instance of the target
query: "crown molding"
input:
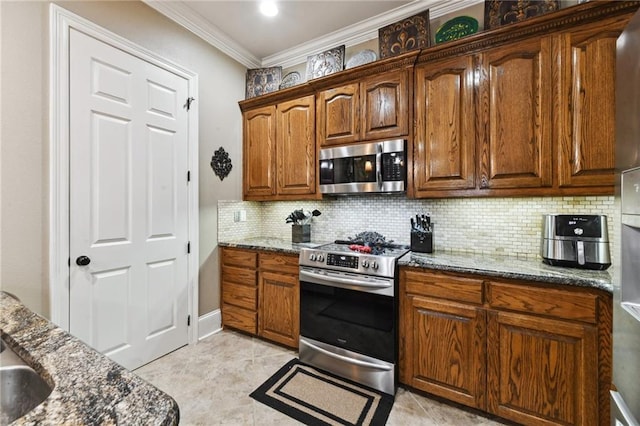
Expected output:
(183, 15)
(363, 31)
(352, 35)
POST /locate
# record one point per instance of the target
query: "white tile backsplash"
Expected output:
(475, 225)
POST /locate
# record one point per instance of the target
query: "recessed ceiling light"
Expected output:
(268, 8)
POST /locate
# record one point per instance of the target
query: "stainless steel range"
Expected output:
(349, 310)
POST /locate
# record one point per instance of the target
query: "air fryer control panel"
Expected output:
(583, 226)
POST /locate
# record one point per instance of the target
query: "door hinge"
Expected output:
(188, 320)
(187, 104)
(188, 175)
(69, 261)
(189, 247)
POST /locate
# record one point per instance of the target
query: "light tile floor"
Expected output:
(211, 382)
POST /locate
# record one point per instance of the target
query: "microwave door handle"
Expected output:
(379, 165)
(338, 281)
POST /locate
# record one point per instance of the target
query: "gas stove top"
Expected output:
(377, 260)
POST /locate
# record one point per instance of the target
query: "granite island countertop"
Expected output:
(88, 388)
(488, 265)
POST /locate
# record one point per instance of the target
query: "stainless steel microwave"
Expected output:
(364, 168)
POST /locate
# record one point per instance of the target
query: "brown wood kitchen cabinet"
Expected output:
(261, 294)
(239, 287)
(279, 298)
(372, 108)
(520, 112)
(585, 117)
(279, 151)
(514, 110)
(530, 352)
(443, 336)
(445, 137)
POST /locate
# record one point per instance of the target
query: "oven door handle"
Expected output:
(348, 359)
(335, 281)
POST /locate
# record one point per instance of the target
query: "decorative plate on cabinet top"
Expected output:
(362, 57)
(456, 28)
(290, 80)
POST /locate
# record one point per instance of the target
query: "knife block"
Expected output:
(422, 242)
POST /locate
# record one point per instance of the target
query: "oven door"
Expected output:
(350, 311)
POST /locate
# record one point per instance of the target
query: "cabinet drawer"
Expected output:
(543, 301)
(240, 295)
(241, 319)
(443, 286)
(279, 263)
(237, 257)
(239, 276)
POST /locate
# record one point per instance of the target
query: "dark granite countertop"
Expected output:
(508, 267)
(488, 265)
(278, 245)
(88, 388)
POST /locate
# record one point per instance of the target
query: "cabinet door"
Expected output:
(385, 105)
(338, 115)
(259, 143)
(586, 116)
(446, 350)
(296, 147)
(542, 371)
(279, 313)
(445, 138)
(515, 128)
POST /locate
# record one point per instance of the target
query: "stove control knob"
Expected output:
(320, 258)
(312, 257)
(374, 264)
(365, 263)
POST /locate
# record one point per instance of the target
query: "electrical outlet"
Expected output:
(243, 215)
(236, 216)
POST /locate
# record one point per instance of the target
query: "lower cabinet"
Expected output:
(238, 281)
(261, 294)
(279, 296)
(443, 342)
(529, 352)
(542, 371)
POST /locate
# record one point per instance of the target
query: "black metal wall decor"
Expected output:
(221, 163)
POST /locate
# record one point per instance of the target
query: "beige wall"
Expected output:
(24, 133)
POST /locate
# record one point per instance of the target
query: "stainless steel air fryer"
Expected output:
(577, 241)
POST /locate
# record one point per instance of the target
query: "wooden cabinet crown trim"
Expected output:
(552, 22)
(544, 24)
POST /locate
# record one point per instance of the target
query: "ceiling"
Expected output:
(302, 28)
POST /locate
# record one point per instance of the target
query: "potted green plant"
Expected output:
(301, 224)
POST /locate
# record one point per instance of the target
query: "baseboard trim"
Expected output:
(209, 324)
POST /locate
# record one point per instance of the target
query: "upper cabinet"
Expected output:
(280, 151)
(526, 109)
(585, 93)
(515, 115)
(259, 143)
(338, 115)
(296, 147)
(374, 108)
(523, 110)
(445, 137)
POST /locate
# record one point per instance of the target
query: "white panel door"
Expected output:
(128, 203)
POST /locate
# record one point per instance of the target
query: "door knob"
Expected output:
(83, 261)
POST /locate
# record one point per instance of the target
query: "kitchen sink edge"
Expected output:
(87, 387)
